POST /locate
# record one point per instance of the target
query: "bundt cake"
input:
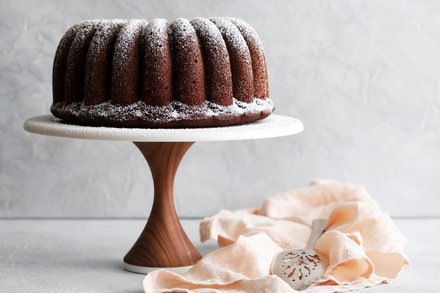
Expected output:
(134, 73)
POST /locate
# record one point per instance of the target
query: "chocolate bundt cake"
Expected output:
(134, 73)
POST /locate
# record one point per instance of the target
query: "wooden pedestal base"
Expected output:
(163, 243)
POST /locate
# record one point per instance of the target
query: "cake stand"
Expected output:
(163, 243)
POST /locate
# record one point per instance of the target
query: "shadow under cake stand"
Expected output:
(163, 243)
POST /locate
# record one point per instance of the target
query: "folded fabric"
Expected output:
(362, 244)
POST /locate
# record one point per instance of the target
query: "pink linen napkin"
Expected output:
(363, 245)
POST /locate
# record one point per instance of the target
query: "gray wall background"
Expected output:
(363, 76)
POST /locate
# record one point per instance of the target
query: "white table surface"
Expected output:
(84, 255)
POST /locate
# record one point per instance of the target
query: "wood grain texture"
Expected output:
(163, 243)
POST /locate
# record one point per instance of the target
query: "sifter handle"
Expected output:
(318, 226)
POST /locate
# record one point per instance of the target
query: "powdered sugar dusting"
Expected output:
(216, 61)
(125, 40)
(86, 27)
(155, 32)
(101, 37)
(248, 32)
(71, 32)
(233, 36)
(257, 54)
(175, 111)
(210, 33)
(221, 38)
(184, 32)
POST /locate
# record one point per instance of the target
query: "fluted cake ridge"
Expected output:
(139, 73)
